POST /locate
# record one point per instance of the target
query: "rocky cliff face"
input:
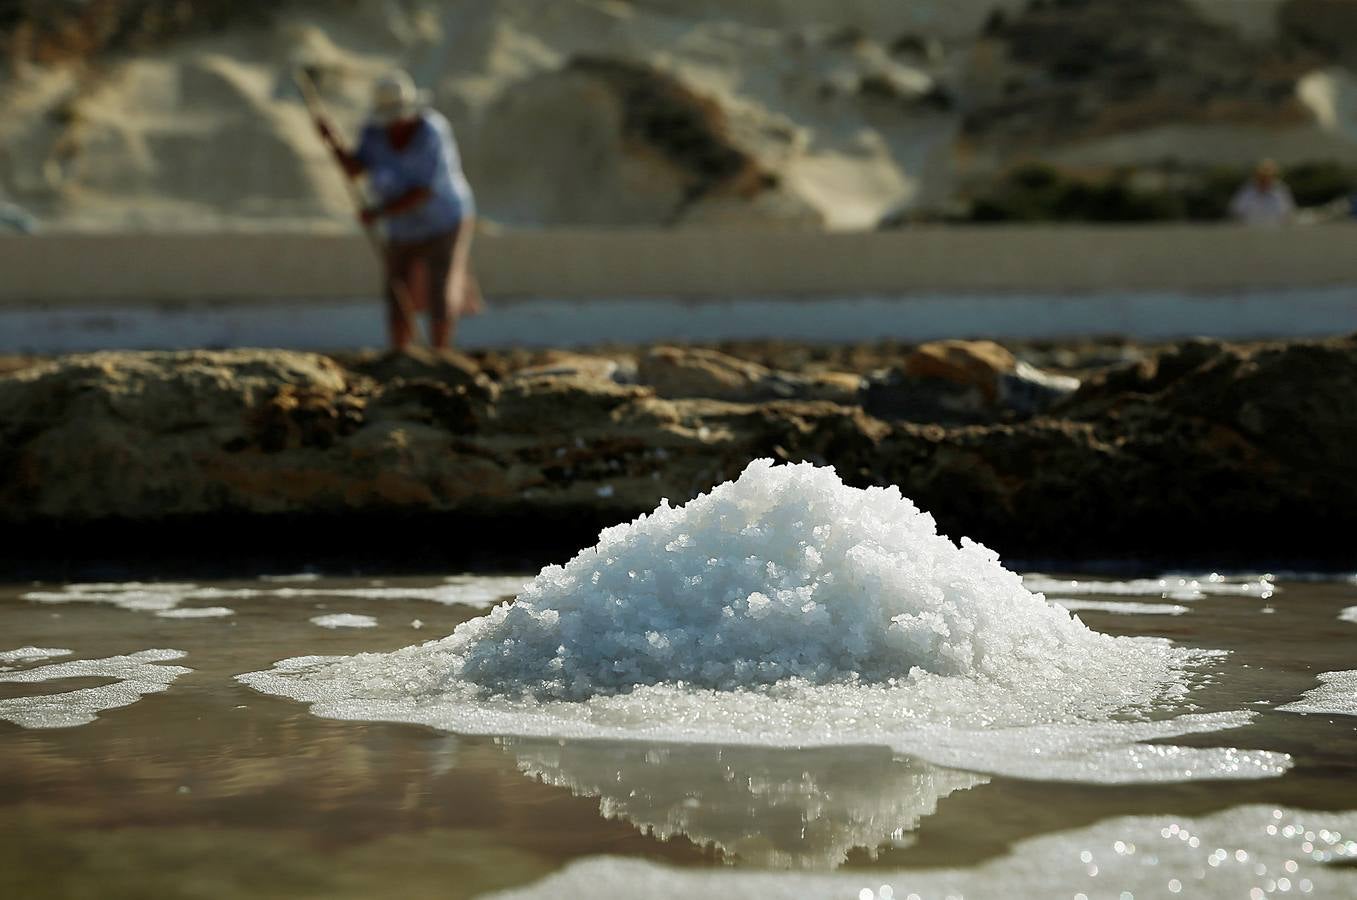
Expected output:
(1204, 449)
(800, 113)
(1090, 68)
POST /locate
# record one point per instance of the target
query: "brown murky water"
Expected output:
(209, 789)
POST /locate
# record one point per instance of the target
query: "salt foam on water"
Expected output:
(164, 599)
(1174, 587)
(344, 620)
(1247, 851)
(134, 676)
(1120, 607)
(196, 612)
(788, 609)
(32, 654)
(1335, 695)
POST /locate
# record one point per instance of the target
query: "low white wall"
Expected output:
(63, 293)
(248, 267)
(563, 322)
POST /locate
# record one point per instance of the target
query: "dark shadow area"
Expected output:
(234, 545)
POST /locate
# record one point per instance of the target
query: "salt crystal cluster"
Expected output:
(786, 609)
(783, 573)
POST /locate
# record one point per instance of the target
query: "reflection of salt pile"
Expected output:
(785, 573)
(819, 614)
(779, 808)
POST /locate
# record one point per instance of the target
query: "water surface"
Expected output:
(206, 788)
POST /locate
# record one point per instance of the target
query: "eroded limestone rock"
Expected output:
(1206, 445)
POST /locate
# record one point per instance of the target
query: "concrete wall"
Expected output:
(96, 269)
(563, 322)
(64, 293)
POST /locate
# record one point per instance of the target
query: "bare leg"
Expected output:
(440, 305)
(468, 296)
(399, 327)
(449, 278)
(474, 304)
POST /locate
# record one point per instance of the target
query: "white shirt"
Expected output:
(1253, 205)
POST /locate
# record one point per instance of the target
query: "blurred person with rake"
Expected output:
(423, 205)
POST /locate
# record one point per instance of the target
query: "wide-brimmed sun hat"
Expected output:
(395, 97)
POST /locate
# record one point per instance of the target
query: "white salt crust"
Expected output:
(1120, 607)
(1335, 695)
(136, 675)
(1249, 851)
(786, 609)
(344, 620)
(484, 590)
(31, 654)
(164, 599)
(1311, 576)
(1175, 587)
(196, 612)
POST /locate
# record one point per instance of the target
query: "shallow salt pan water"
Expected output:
(210, 782)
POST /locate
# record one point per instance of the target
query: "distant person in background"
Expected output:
(424, 207)
(1265, 199)
(17, 219)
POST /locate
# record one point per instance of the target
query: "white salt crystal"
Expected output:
(344, 620)
(788, 609)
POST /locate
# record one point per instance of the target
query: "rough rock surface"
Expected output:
(1205, 448)
(1089, 68)
(960, 382)
(678, 372)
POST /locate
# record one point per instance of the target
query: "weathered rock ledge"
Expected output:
(1202, 451)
